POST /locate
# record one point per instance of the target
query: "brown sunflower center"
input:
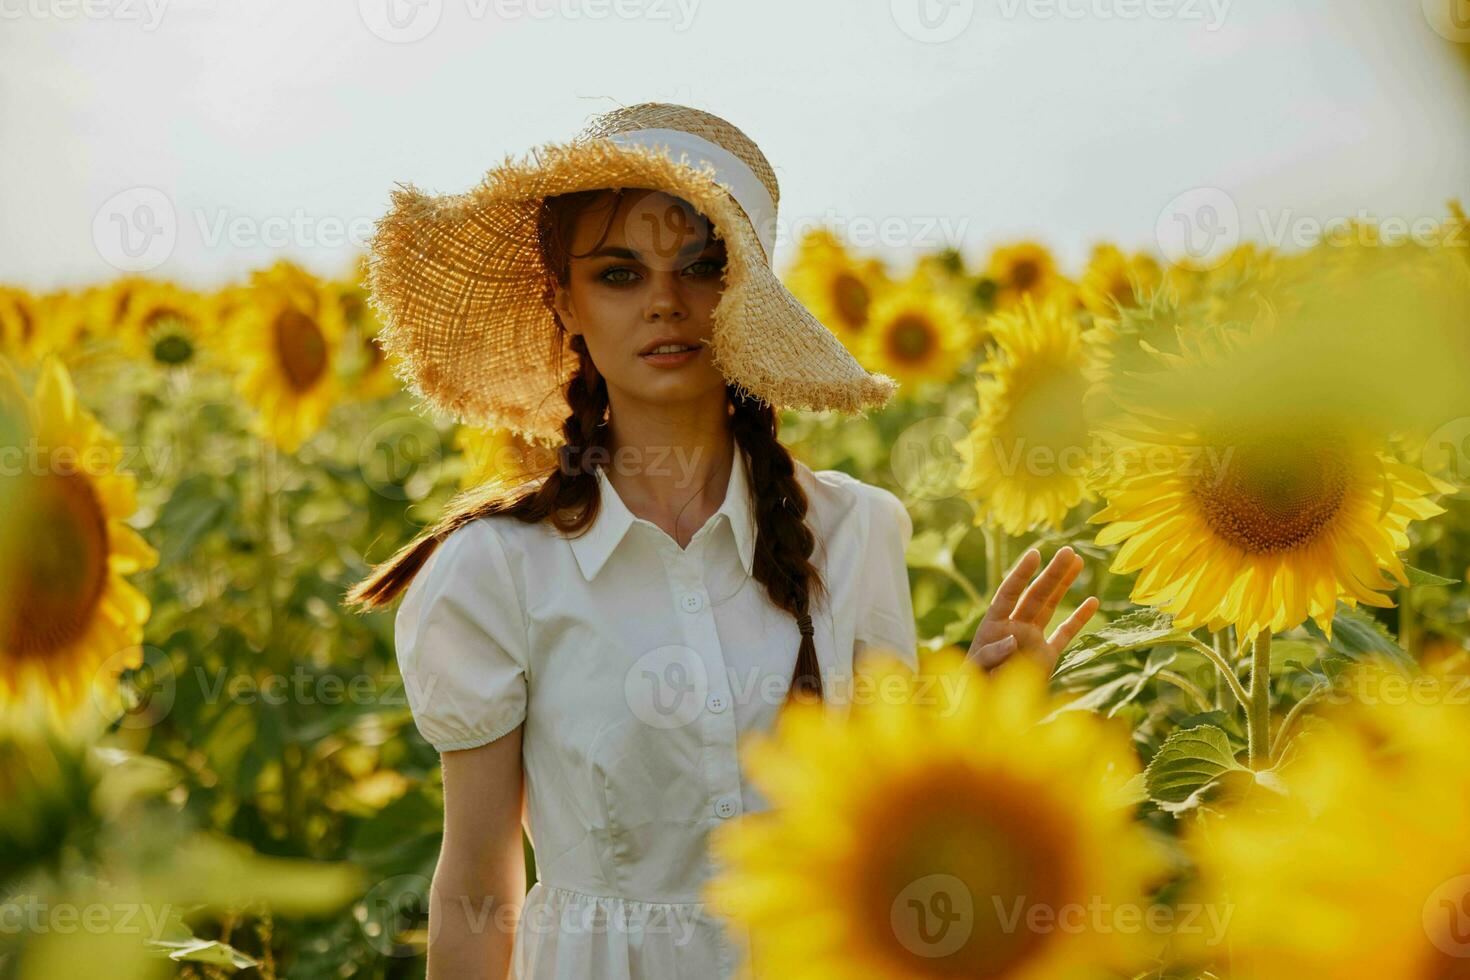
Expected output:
(301, 349)
(850, 297)
(1268, 499)
(911, 338)
(57, 568)
(954, 888)
(27, 323)
(1121, 288)
(171, 343)
(1025, 273)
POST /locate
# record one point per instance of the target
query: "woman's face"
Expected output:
(654, 278)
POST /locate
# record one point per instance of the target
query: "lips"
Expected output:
(669, 346)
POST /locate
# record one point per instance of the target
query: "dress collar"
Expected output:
(593, 546)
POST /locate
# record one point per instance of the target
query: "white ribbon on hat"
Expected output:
(731, 172)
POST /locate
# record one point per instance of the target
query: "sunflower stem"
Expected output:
(1283, 734)
(1227, 673)
(1258, 717)
(1187, 686)
(993, 564)
(968, 587)
(1217, 641)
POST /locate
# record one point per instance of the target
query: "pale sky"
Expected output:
(197, 139)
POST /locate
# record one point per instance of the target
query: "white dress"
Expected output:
(635, 667)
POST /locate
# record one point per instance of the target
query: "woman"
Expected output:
(586, 649)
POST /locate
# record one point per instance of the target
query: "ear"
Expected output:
(561, 300)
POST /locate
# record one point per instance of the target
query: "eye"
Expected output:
(706, 267)
(618, 275)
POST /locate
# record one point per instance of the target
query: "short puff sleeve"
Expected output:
(460, 636)
(886, 605)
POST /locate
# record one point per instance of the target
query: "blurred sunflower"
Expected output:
(1026, 460)
(1361, 868)
(836, 286)
(916, 333)
(20, 325)
(69, 619)
(878, 860)
(498, 454)
(1024, 269)
(168, 326)
(1114, 280)
(108, 305)
(368, 369)
(286, 337)
(1239, 503)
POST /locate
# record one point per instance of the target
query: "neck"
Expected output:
(671, 463)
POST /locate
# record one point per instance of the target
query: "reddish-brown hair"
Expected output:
(567, 495)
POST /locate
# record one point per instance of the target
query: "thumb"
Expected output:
(992, 654)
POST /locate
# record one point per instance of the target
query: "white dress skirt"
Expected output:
(636, 666)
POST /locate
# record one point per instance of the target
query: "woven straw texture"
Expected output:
(460, 285)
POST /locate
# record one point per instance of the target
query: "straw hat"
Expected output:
(462, 289)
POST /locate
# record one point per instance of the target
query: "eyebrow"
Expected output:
(620, 252)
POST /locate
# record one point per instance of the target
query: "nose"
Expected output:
(665, 302)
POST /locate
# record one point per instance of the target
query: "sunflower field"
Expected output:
(1251, 764)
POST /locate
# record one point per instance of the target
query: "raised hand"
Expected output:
(1018, 614)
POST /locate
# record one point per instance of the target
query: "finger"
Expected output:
(995, 653)
(1070, 626)
(1044, 617)
(1012, 585)
(1036, 595)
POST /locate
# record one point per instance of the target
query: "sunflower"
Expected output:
(369, 370)
(498, 454)
(838, 288)
(108, 305)
(1026, 459)
(1361, 868)
(917, 333)
(953, 835)
(1114, 280)
(20, 325)
(1239, 502)
(70, 619)
(286, 336)
(1025, 269)
(167, 326)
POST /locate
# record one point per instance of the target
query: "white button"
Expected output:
(716, 702)
(692, 602)
(727, 806)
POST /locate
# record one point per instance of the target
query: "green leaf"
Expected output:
(1188, 763)
(1131, 631)
(194, 508)
(208, 951)
(1418, 576)
(1357, 635)
(933, 548)
(1286, 652)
